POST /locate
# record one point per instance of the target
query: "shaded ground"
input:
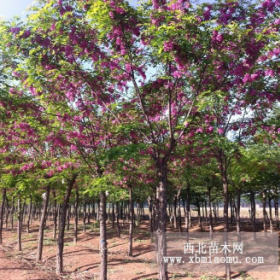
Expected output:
(81, 261)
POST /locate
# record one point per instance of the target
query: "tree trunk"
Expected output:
(76, 216)
(61, 227)
(42, 225)
(68, 217)
(19, 228)
(210, 213)
(175, 211)
(237, 211)
(29, 214)
(188, 208)
(7, 212)
(103, 236)
(84, 216)
(4, 192)
(131, 208)
(113, 215)
(151, 220)
(223, 171)
(270, 213)
(161, 222)
(54, 214)
(12, 213)
(276, 211)
(264, 211)
(117, 220)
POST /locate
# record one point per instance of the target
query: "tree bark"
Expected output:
(61, 228)
(131, 208)
(264, 211)
(210, 213)
(276, 211)
(19, 228)
(84, 216)
(42, 225)
(238, 214)
(270, 213)
(29, 214)
(161, 221)
(103, 236)
(4, 192)
(54, 214)
(117, 220)
(76, 216)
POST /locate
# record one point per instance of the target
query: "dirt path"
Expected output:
(13, 269)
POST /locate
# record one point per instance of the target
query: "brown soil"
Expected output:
(81, 260)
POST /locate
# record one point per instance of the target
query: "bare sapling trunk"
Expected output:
(210, 212)
(113, 215)
(12, 213)
(237, 211)
(84, 216)
(223, 172)
(270, 214)
(264, 211)
(4, 191)
(76, 216)
(103, 236)
(19, 227)
(54, 214)
(61, 227)
(276, 211)
(131, 208)
(46, 196)
(7, 212)
(117, 220)
(29, 214)
(175, 211)
(161, 222)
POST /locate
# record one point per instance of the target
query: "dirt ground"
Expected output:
(81, 260)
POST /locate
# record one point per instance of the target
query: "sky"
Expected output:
(9, 8)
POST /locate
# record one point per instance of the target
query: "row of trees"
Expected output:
(160, 101)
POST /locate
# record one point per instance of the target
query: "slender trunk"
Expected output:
(12, 212)
(151, 220)
(88, 214)
(7, 212)
(76, 216)
(61, 227)
(54, 214)
(4, 192)
(130, 253)
(113, 215)
(210, 213)
(117, 220)
(175, 211)
(84, 216)
(223, 171)
(270, 214)
(276, 211)
(199, 216)
(42, 224)
(19, 228)
(179, 214)
(253, 213)
(161, 221)
(264, 211)
(237, 211)
(103, 236)
(68, 216)
(188, 208)
(29, 214)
